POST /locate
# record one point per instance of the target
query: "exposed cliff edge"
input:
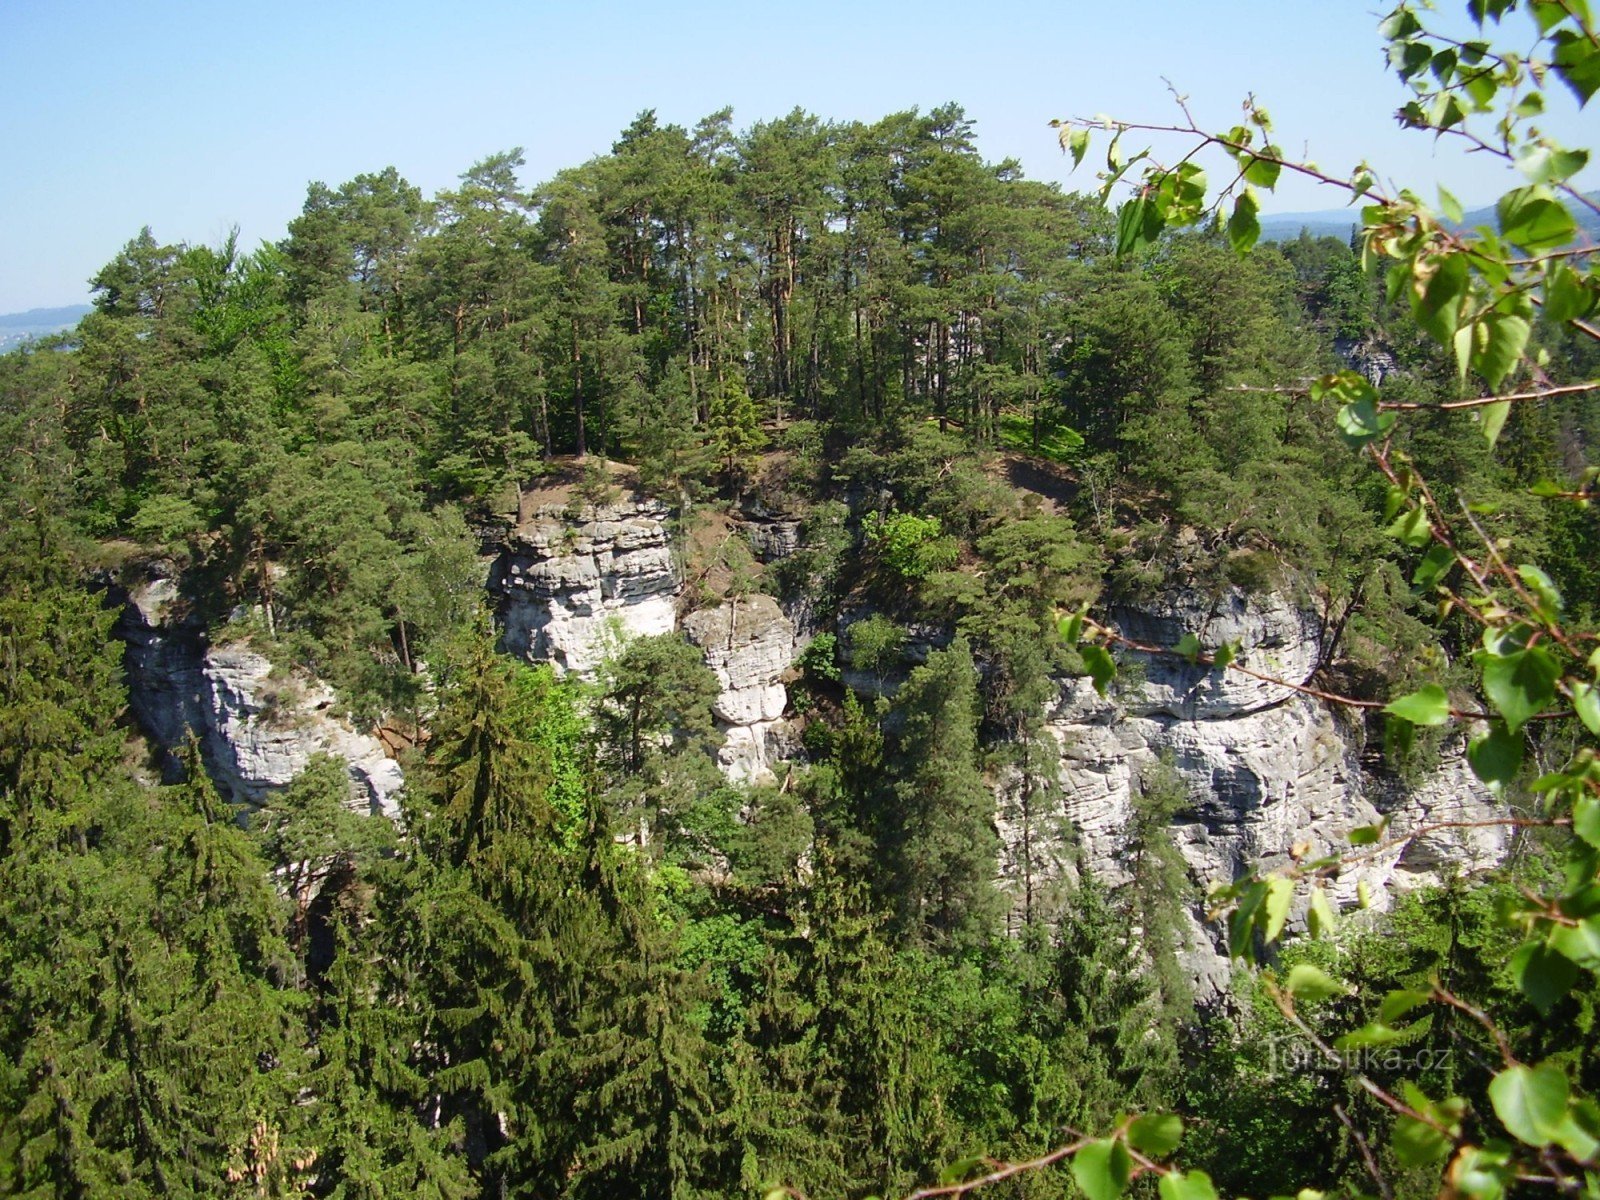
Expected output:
(570, 583)
(257, 727)
(574, 581)
(1267, 768)
(749, 644)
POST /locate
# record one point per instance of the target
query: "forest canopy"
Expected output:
(586, 963)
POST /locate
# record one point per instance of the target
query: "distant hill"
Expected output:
(16, 328)
(1338, 222)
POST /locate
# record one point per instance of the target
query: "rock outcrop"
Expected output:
(1266, 767)
(772, 535)
(571, 585)
(257, 727)
(262, 728)
(749, 643)
(164, 657)
(1372, 361)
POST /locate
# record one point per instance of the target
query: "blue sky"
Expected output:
(195, 117)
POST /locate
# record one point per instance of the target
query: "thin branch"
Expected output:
(1285, 1003)
(1444, 996)
(1212, 139)
(1000, 1172)
(1570, 389)
(1305, 689)
(1379, 849)
(1366, 1152)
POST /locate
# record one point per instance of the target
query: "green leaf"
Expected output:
(1312, 983)
(1434, 564)
(1180, 196)
(1320, 916)
(1519, 684)
(1412, 527)
(1223, 655)
(1579, 1134)
(1156, 1135)
(1376, 1034)
(1188, 646)
(1494, 417)
(1398, 1003)
(1102, 667)
(1496, 756)
(1462, 344)
(1259, 171)
(1101, 1169)
(1544, 589)
(1507, 338)
(1416, 1144)
(1551, 164)
(1577, 63)
(1580, 943)
(1532, 218)
(1448, 204)
(1481, 88)
(1071, 628)
(1428, 705)
(1242, 920)
(1077, 144)
(962, 1169)
(1531, 1102)
(1567, 295)
(1243, 227)
(1191, 1185)
(1395, 498)
(1529, 105)
(1138, 224)
(1481, 1173)
(1399, 25)
(1361, 421)
(1437, 306)
(1586, 819)
(1280, 891)
(1366, 835)
(1548, 13)
(1543, 975)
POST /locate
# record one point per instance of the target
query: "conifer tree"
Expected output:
(944, 846)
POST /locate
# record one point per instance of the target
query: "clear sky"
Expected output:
(194, 117)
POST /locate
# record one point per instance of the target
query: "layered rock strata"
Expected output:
(1267, 769)
(572, 585)
(257, 727)
(749, 644)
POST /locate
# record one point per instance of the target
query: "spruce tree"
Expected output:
(944, 846)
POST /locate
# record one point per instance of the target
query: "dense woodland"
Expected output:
(985, 418)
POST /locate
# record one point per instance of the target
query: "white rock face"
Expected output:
(749, 643)
(261, 732)
(1266, 768)
(256, 732)
(570, 590)
(1274, 637)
